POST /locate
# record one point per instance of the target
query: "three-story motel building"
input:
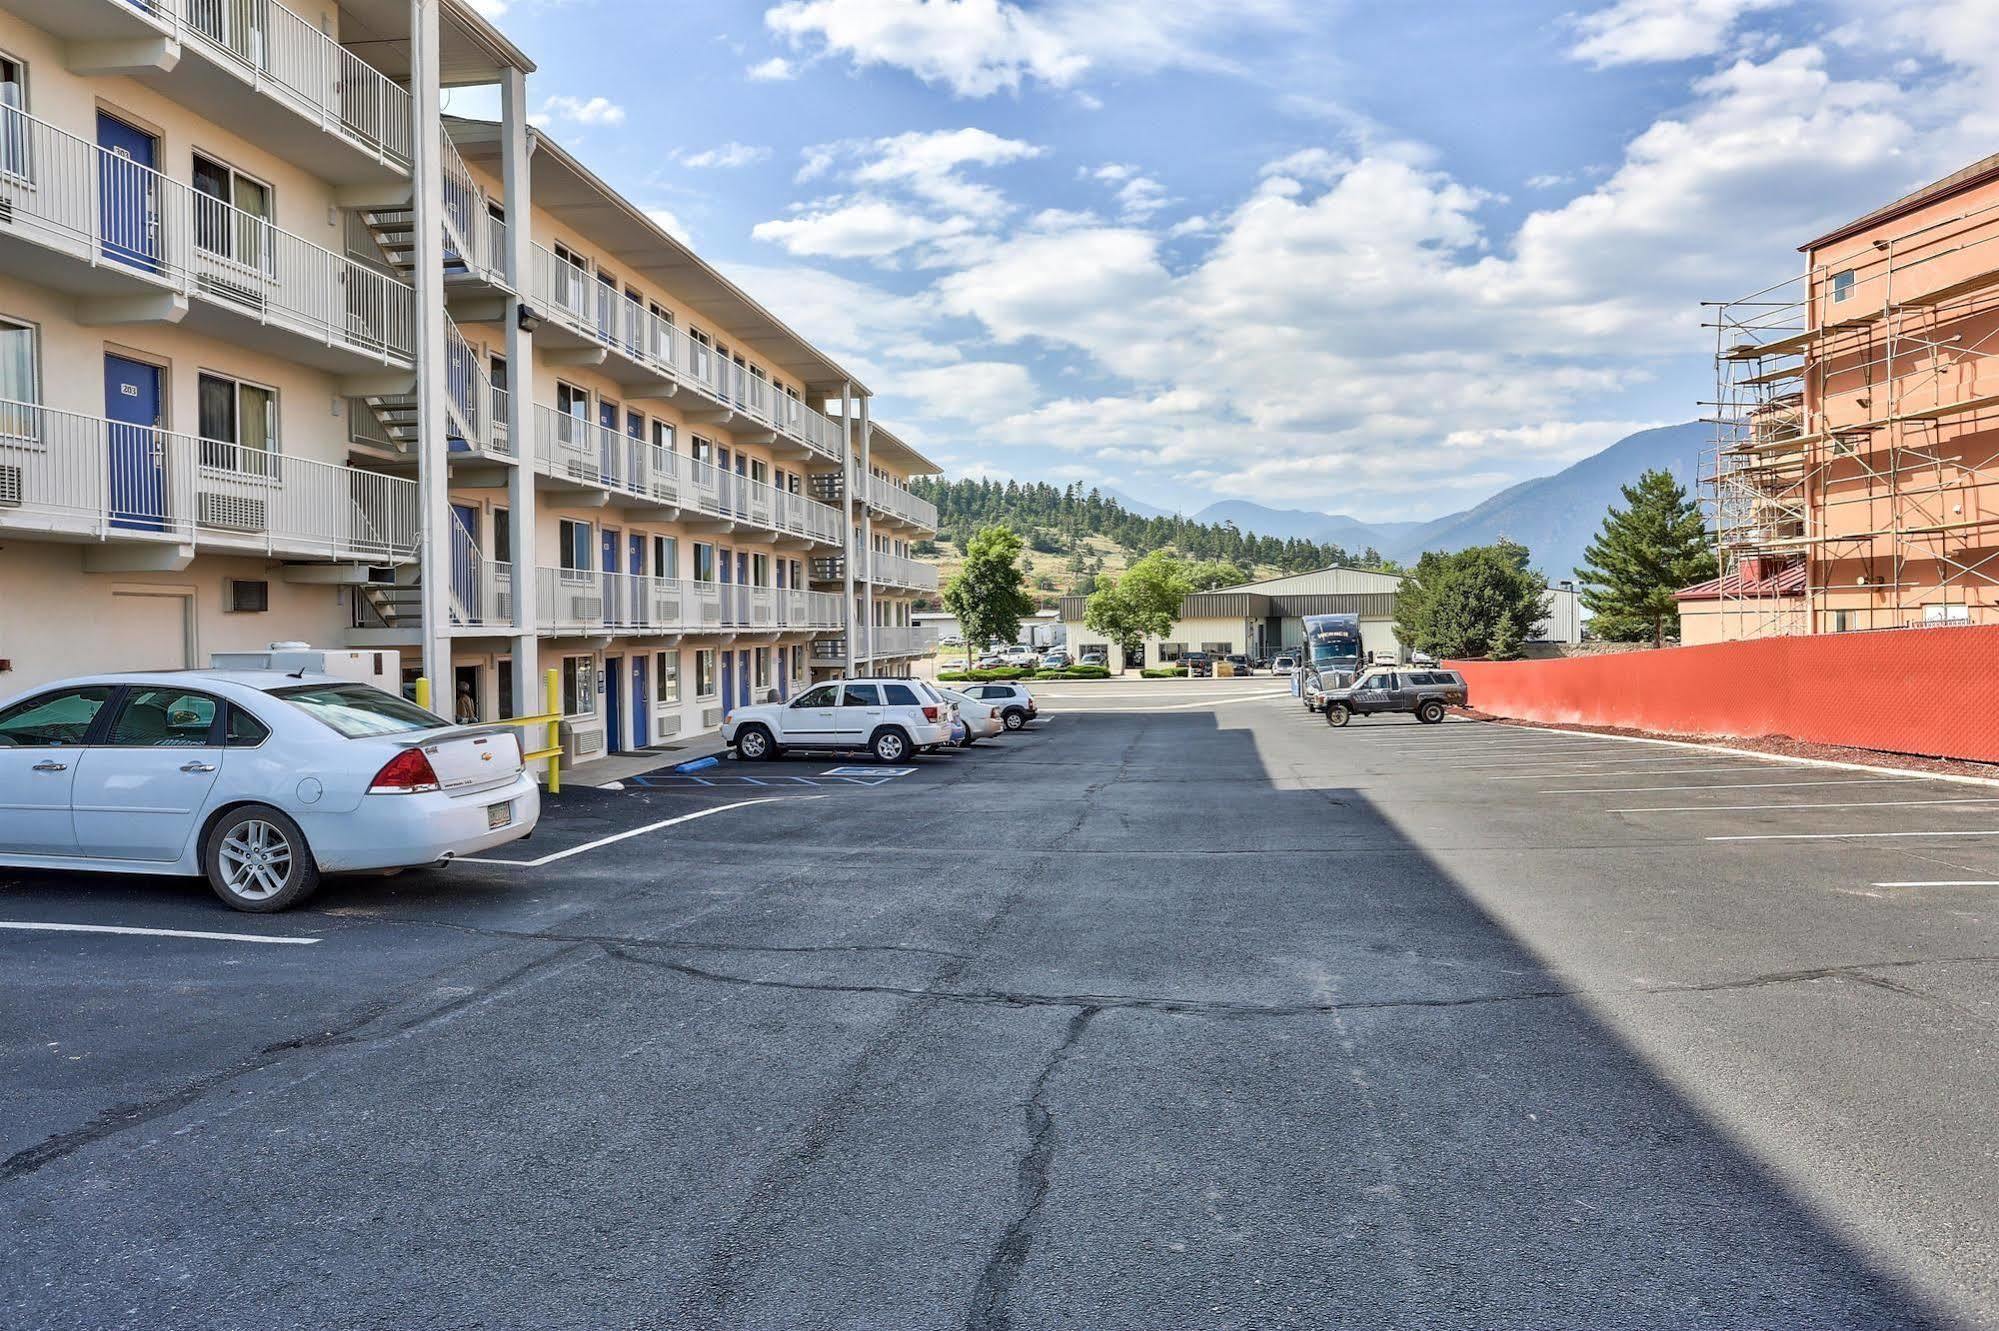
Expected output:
(288, 354)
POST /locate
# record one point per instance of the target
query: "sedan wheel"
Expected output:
(257, 860)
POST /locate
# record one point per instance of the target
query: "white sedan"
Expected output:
(982, 719)
(260, 780)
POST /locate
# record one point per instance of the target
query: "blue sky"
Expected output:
(1376, 258)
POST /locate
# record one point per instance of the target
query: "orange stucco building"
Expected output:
(1857, 457)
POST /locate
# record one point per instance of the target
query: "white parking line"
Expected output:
(1729, 785)
(152, 933)
(1945, 882)
(1850, 836)
(1520, 763)
(1629, 771)
(1797, 804)
(636, 831)
(1720, 750)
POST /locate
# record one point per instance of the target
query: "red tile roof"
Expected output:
(1790, 581)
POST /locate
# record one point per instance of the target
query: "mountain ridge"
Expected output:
(1554, 516)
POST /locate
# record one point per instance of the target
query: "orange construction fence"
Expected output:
(1922, 691)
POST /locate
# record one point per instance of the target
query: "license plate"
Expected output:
(499, 815)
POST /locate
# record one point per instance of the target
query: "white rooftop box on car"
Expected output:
(383, 669)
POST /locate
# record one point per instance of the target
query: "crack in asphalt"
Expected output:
(669, 944)
(123, 1118)
(1857, 972)
(1034, 1174)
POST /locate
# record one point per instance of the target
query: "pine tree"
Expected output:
(1642, 555)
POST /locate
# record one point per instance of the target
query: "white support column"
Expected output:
(847, 536)
(433, 448)
(868, 533)
(514, 149)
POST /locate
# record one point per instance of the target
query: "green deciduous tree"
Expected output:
(1481, 601)
(986, 595)
(1644, 553)
(1142, 603)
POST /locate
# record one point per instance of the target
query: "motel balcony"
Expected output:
(134, 245)
(888, 640)
(652, 358)
(66, 477)
(254, 65)
(657, 484)
(900, 506)
(588, 602)
(896, 571)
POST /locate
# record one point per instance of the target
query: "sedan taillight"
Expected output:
(408, 773)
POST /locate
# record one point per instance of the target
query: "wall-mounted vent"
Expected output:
(667, 725)
(245, 596)
(11, 488)
(230, 512)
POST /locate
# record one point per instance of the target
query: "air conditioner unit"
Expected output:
(230, 512)
(667, 726)
(586, 607)
(11, 487)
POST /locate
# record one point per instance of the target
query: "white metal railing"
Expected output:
(287, 57)
(482, 589)
(574, 449)
(896, 640)
(86, 475)
(478, 408)
(591, 600)
(889, 497)
(104, 209)
(896, 571)
(473, 237)
(571, 294)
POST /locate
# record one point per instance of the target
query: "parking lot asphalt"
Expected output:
(1180, 1009)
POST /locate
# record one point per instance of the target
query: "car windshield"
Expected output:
(358, 711)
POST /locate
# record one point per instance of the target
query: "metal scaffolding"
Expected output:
(1837, 391)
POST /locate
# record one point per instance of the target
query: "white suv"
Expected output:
(890, 718)
(1013, 702)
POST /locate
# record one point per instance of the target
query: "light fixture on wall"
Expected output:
(527, 319)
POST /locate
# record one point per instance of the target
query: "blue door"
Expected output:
(728, 678)
(607, 417)
(464, 572)
(614, 710)
(128, 193)
(612, 582)
(134, 444)
(743, 678)
(640, 705)
(641, 599)
(783, 674)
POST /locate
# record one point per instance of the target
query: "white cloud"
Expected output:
(1138, 196)
(666, 221)
(970, 390)
(864, 229)
(1359, 328)
(731, 154)
(1642, 31)
(774, 70)
(579, 111)
(913, 194)
(980, 47)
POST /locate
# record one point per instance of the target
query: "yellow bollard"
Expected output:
(423, 692)
(552, 705)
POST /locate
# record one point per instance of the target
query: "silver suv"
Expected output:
(1422, 693)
